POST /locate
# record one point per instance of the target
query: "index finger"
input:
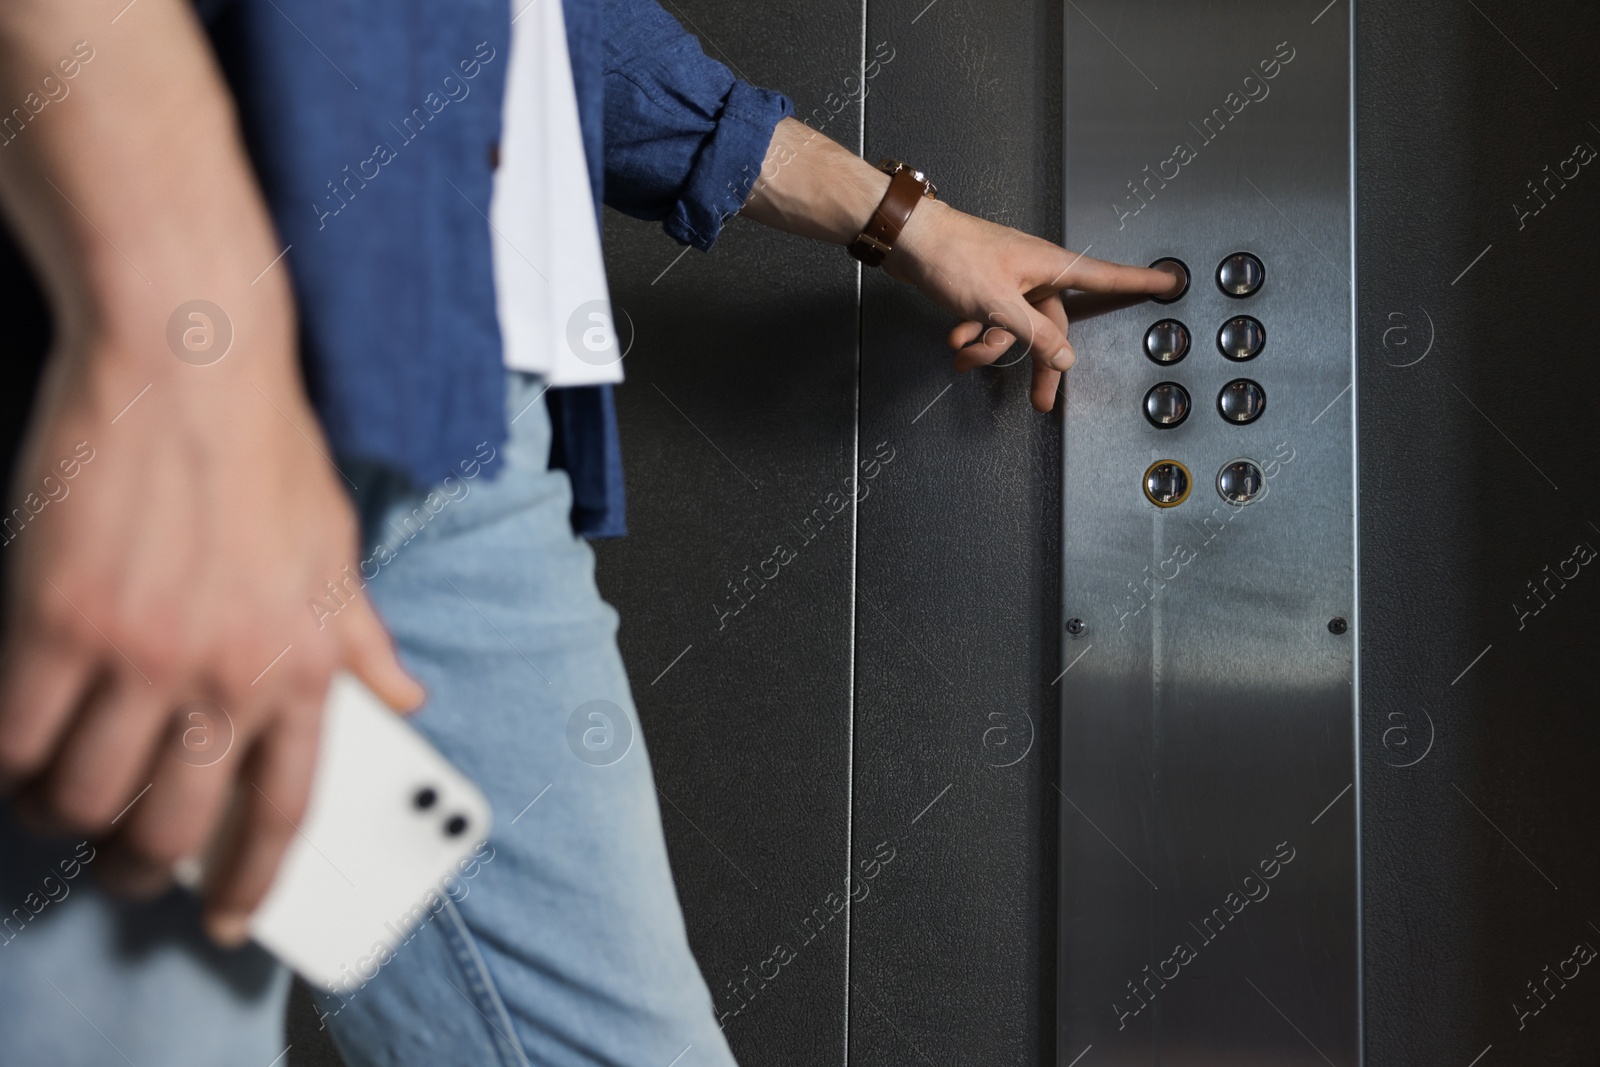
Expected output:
(1090, 275)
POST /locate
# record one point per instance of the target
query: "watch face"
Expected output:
(892, 167)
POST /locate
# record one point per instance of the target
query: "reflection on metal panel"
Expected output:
(1209, 851)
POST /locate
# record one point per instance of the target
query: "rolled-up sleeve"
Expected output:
(684, 138)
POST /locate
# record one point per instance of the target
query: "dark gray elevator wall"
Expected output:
(738, 422)
(1481, 865)
(950, 634)
(958, 581)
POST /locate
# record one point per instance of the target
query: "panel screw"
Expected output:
(1075, 627)
(1337, 625)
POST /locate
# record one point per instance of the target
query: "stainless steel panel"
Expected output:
(1210, 909)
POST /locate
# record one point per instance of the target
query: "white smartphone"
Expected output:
(388, 823)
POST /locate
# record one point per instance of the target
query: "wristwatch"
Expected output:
(907, 187)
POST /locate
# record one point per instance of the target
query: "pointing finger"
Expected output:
(1073, 270)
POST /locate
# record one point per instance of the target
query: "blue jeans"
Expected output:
(564, 943)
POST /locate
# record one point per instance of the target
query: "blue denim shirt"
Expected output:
(372, 124)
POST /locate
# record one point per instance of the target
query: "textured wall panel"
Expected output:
(952, 958)
(738, 428)
(1474, 295)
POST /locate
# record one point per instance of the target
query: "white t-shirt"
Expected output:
(551, 297)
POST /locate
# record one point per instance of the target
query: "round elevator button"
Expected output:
(1242, 401)
(1166, 483)
(1240, 482)
(1177, 269)
(1167, 341)
(1241, 338)
(1166, 404)
(1240, 274)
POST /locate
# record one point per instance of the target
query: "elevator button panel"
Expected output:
(1178, 269)
(1167, 341)
(1207, 536)
(1242, 401)
(1241, 338)
(1167, 483)
(1166, 404)
(1240, 274)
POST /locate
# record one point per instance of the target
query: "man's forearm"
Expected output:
(812, 186)
(185, 559)
(118, 144)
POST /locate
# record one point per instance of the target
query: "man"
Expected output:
(184, 534)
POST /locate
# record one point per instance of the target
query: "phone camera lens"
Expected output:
(456, 825)
(425, 798)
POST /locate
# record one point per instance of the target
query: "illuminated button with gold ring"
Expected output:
(1167, 483)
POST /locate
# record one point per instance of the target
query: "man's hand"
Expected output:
(1004, 284)
(161, 666)
(1007, 286)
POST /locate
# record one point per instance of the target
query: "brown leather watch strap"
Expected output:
(906, 190)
